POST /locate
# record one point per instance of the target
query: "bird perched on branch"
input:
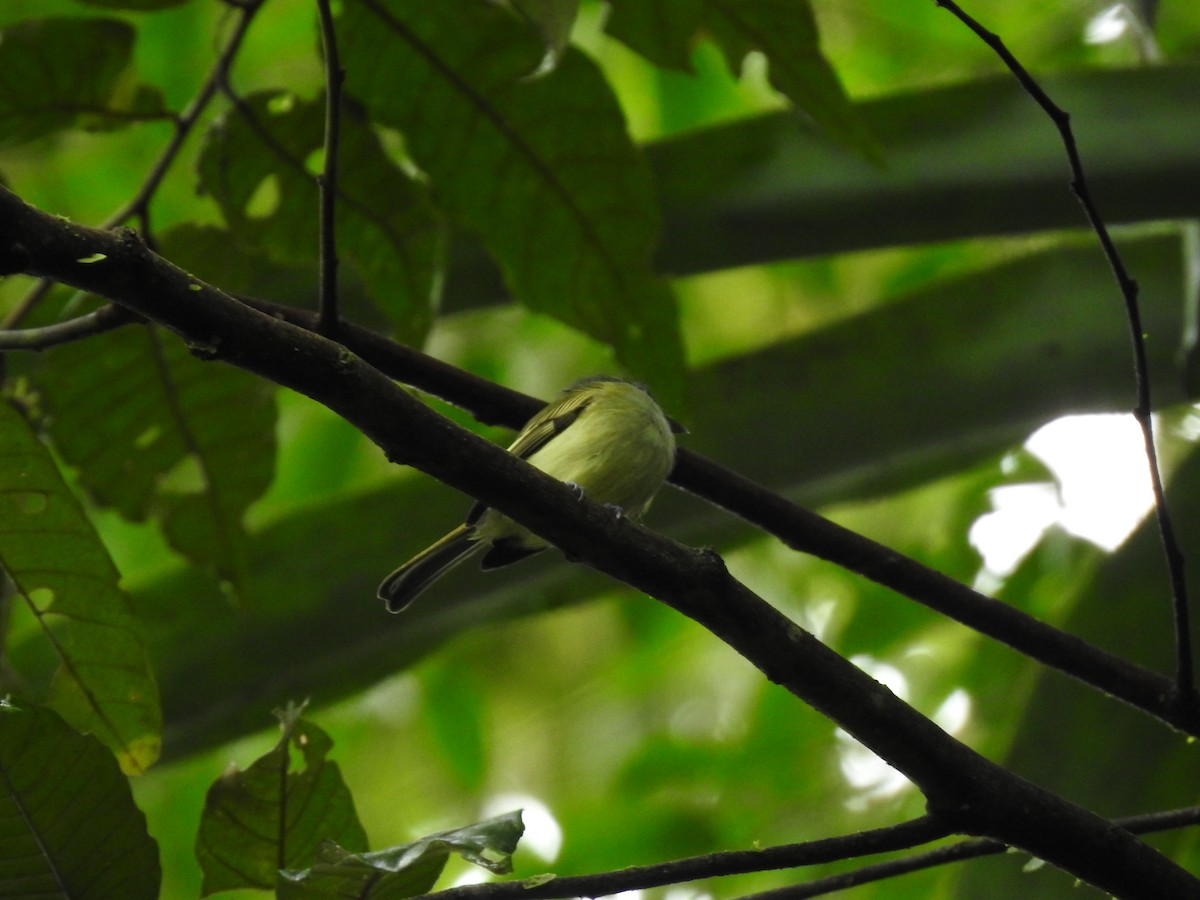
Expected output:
(604, 435)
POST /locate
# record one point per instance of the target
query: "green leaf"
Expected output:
(542, 168)
(68, 823)
(157, 433)
(409, 869)
(61, 570)
(259, 164)
(269, 817)
(64, 73)
(663, 31)
(217, 256)
(785, 31)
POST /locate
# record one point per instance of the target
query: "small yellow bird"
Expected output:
(604, 435)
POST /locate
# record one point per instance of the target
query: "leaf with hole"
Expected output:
(102, 682)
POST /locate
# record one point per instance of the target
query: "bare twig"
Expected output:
(104, 319)
(958, 852)
(327, 180)
(1142, 411)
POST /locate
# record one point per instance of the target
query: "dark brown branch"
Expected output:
(104, 319)
(712, 865)
(327, 180)
(966, 792)
(1185, 689)
(800, 529)
(959, 852)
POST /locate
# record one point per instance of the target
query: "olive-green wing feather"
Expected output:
(551, 421)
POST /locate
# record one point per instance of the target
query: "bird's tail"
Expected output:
(401, 587)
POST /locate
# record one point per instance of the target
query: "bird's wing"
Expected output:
(553, 419)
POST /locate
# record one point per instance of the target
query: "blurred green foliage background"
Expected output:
(891, 380)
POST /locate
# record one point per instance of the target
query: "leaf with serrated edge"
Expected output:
(267, 817)
(542, 168)
(63, 572)
(77, 832)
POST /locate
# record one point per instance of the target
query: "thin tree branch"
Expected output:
(800, 529)
(712, 865)
(958, 852)
(101, 320)
(327, 180)
(970, 794)
(1184, 678)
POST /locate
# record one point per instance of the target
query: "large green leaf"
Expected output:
(269, 817)
(541, 168)
(257, 164)
(840, 428)
(68, 824)
(68, 584)
(785, 31)
(965, 160)
(154, 432)
(67, 73)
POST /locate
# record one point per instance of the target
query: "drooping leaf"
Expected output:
(69, 73)
(68, 823)
(407, 870)
(785, 31)
(64, 576)
(270, 817)
(157, 433)
(542, 169)
(258, 164)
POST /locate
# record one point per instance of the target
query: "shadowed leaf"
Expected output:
(50, 550)
(270, 817)
(542, 168)
(154, 433)
(68, 823)
(258, 164)
(66, 73)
